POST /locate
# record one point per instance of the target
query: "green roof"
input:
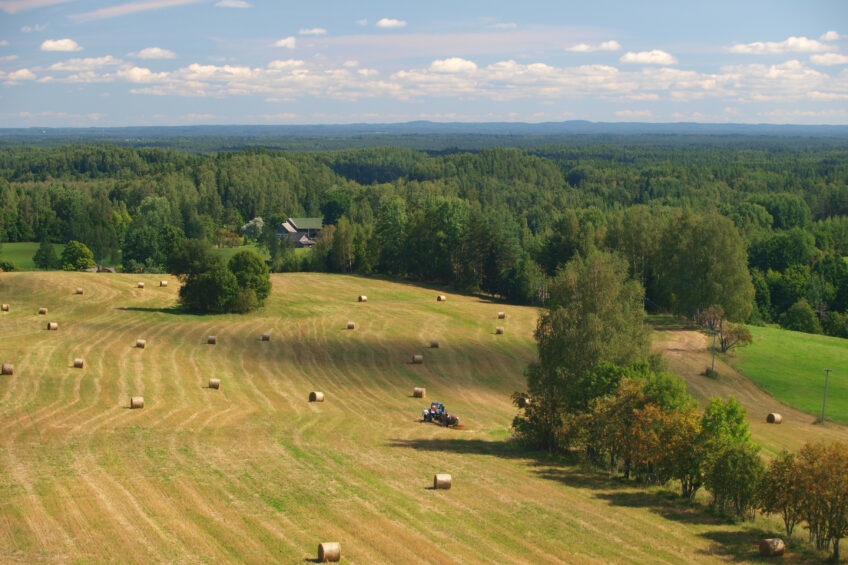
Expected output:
(307, 223)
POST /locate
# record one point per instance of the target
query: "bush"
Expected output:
(801, 318)
(733, 476)
(77, 257)
(7, 266)
(45, 257)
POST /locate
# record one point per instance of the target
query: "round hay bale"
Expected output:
(79, 363)
(5, 307)
(42, 311)
(52, 326)
(136, 402)
(417, 359)
(419, 392)
(7, 369)
(434, 344)
(329, 551)
(499, 330)
(79, 291)
(772, 547)
(140, 285)
(363, 298)
(215, 383)
(501, 315)
(141, 343)
(351, 325)
(316, 396)
(774, 418)
(163, 283)
(212, 340)
(441, 298)
(266, 337)
(441, 481)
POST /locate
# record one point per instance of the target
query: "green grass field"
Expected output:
(253, 473)
(21, 254)
(227, 253)
(790, 366)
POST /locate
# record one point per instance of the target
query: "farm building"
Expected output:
(301, 231)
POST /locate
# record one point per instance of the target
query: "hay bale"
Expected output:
(52, 326)
(419, 392)
(442, 481)
(329, 551)
(79, 291)
(215, 383)
(363, 298)
(316, 396)
(163, 283)
(42, 311)
(212, 340)
(141, 343)
(499, 330)
(774, 418)
(266, 337)
(5, 307)
(7, 369)
(140, 285)
(434, 344)
(417, 359)
(441, 298)
(501, 315)
(79, 363)
(772, 547)
(136, 402)
(351, 325)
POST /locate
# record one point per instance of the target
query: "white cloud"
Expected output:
(60, 45)
(234, 4)
(453, 65)
(362, 22)
(129, 8)
(8, 58)
(830, 36)
(86, 64)
(505, 25)
(141, 75)
(313, 31)
(630, 114)
(285, 65)
(21, 74)
(3, 43)
(197, 117)
(154, 53)
(790, 45)
(611, 45)
(351, 64)
(829, 59)
(36, 27)
(653, 57)
(15, 6)
(288, 42)
(390, 23)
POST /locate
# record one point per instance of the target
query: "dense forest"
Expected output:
(756, 226)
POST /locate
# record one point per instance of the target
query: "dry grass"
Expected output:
(254, 474)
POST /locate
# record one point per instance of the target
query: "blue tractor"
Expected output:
(437, 413)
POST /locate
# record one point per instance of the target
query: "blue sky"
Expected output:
(176, 62)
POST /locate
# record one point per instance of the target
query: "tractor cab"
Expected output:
(434, 412)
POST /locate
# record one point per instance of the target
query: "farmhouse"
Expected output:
(301, 231)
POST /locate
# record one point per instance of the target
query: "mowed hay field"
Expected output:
(254, 473)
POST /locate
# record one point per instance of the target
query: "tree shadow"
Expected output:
(172, 310)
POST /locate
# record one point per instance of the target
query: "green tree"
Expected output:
(252, 274)
(46, 257)
(733, 475)
(77, 257)
(801, 318)
(212, 291)
(781, 490)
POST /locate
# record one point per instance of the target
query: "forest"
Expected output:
(755, 225)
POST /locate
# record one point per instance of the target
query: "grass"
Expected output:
(21, 254)
(790, 366)
(253, 473)
(226, 253)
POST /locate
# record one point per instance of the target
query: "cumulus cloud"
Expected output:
(390, 23)
(453, 65)
(60, 45)
(830, 36)
(285, 65)
(154, 53)
(21, 74)
(288, 42)
(829, 59)
(36, 27)
(141, 75)
(234, 4)
(790, 45)
(653, 57)
(313, 31)
(86, 64)
(611, 45)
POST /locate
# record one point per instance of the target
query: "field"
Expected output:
(21, 254)
(254, 473)
(790, 366)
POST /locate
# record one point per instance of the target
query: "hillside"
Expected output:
(254, 473)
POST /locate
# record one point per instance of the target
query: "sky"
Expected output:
(84, 63)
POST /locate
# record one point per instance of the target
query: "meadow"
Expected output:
(255, 473)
